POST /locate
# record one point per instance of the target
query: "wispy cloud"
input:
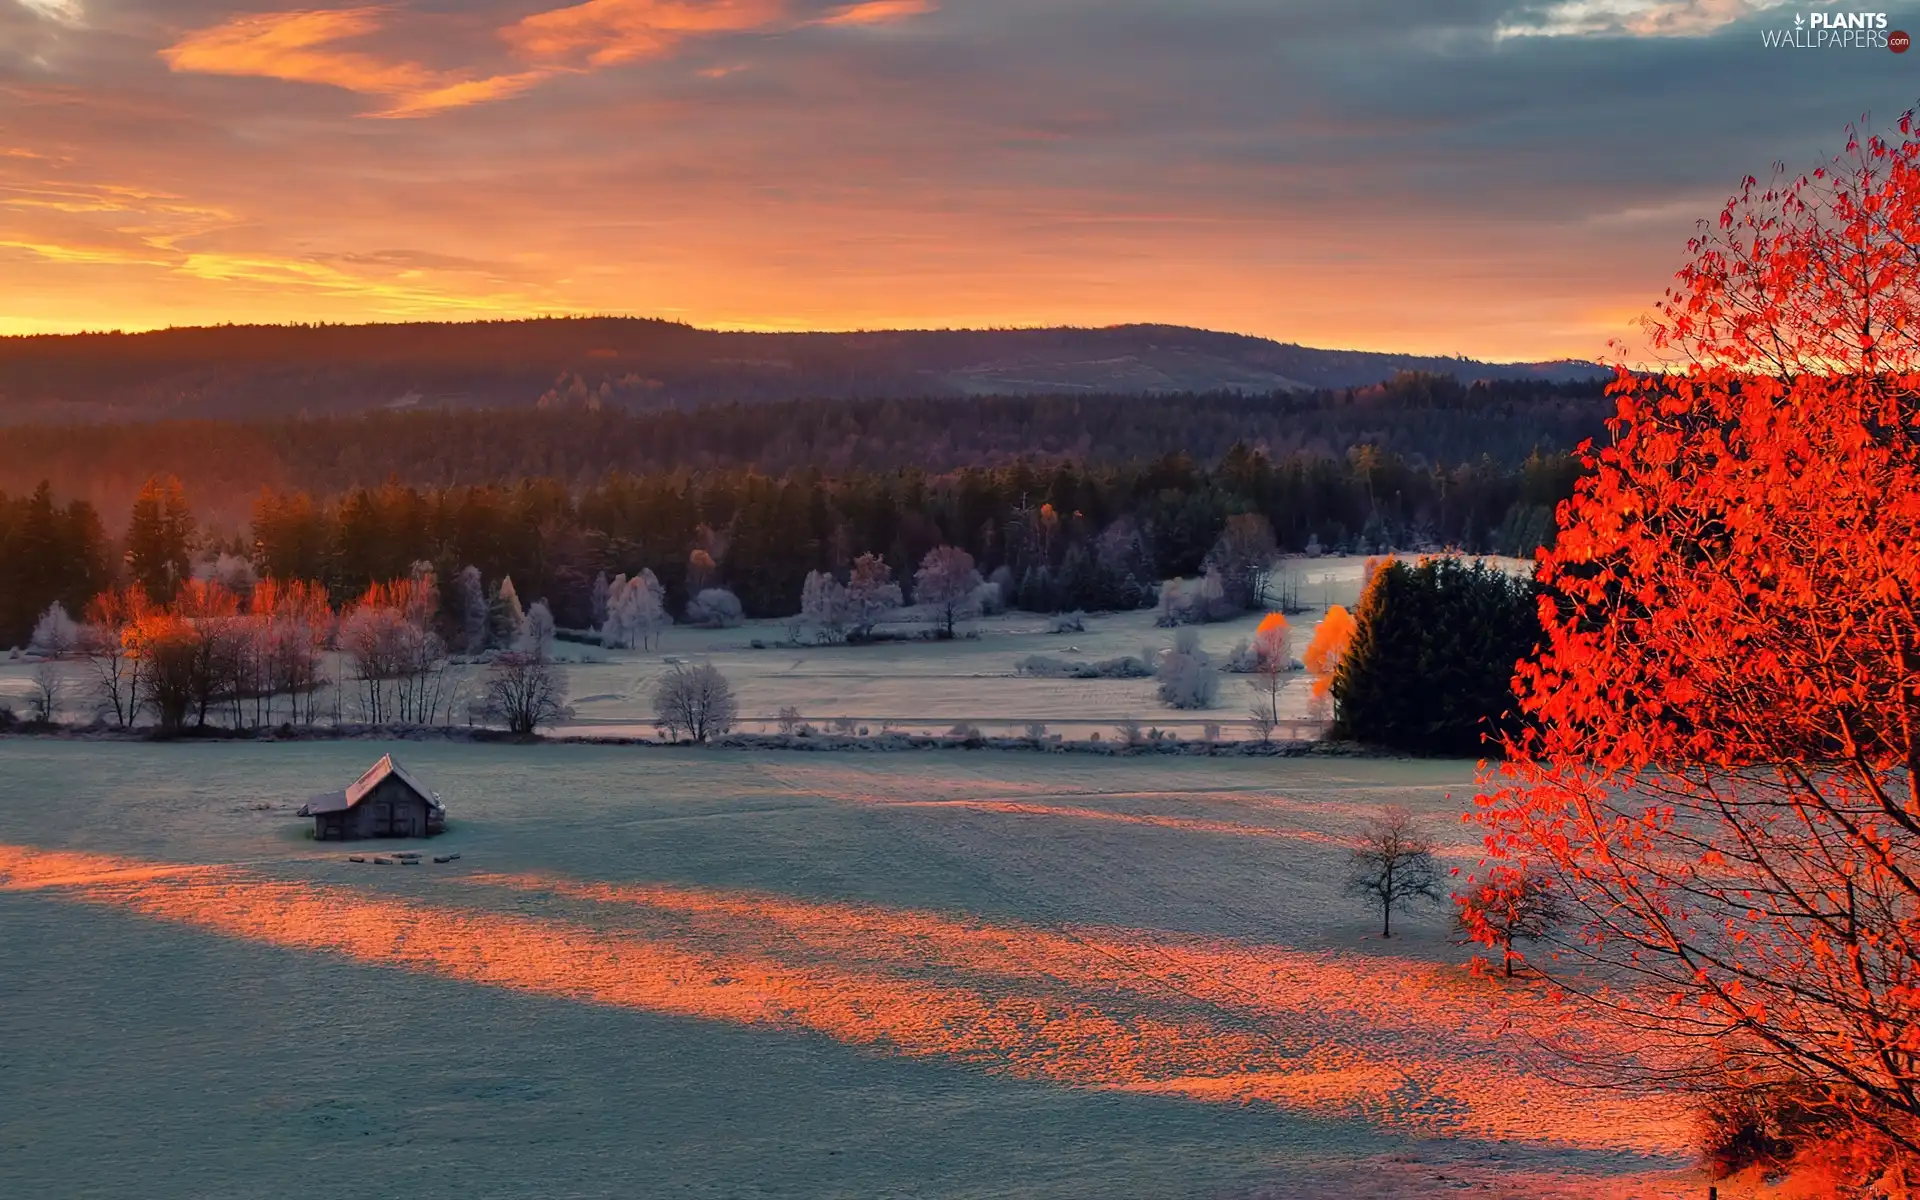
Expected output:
(1632, 18)
(601, 33)
(878, 12)
(304, 46)
(67, 12)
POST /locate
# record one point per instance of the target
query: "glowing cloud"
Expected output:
(299, 47)
(601, 33)
(879, 12)
(296, 46)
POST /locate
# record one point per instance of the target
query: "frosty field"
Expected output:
(663, 972)
(909, 685)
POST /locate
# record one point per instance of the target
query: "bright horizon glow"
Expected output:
(1397, 179)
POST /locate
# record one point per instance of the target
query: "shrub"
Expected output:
(1036, 732)
(715, 608)
(1186, 674)
(789, 719)
(1073, 622)
(1047, 667)
(1129, 730)
(1743, 1124)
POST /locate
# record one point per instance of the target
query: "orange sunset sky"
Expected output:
(1497, 178)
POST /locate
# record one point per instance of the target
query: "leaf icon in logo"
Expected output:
(1799, 20)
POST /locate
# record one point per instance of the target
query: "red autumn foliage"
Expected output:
(1723, 777)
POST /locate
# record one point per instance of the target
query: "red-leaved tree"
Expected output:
(1722, 778)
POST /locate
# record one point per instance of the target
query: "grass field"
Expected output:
(658, 972)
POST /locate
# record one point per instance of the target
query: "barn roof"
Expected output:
(325, 802)
(379, 772)
(387, 768)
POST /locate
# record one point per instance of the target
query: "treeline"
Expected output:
(1054, 536)
(1429, 663)
(50, 553)
(1426, 420)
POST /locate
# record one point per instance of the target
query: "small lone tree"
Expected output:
(1393, 866)
(525, 692)
(948, 586)
(1271, 662)
(49, 692)
(695, 701)
(1510, 905)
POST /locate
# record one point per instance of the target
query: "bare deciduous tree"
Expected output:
(695, 701)
(1393, 865)
(525, 692)
(49, 692)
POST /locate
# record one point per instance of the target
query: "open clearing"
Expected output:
(658, 972)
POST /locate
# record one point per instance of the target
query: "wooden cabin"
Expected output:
(387, 801)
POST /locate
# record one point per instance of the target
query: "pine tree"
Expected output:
(160, 539)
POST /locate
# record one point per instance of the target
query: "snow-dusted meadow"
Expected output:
(720, 973)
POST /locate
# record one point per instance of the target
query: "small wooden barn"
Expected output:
(387, 801)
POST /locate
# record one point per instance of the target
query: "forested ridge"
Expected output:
(257, 371)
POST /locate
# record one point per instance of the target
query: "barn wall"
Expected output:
(409, 813)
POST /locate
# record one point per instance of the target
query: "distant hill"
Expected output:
(640, 365)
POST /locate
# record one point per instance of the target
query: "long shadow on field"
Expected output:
(1113, 1009)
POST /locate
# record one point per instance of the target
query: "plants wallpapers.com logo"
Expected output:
(1837, 31)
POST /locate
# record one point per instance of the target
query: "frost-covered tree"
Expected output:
(872, 595)
(55, 635)
(505, 618)
(598, 598)
(947, 584)
(1186, 674)
(636, 612)
(823, 605)
(231, 572)
(715, 608)
(536, 635)
(473, 609)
